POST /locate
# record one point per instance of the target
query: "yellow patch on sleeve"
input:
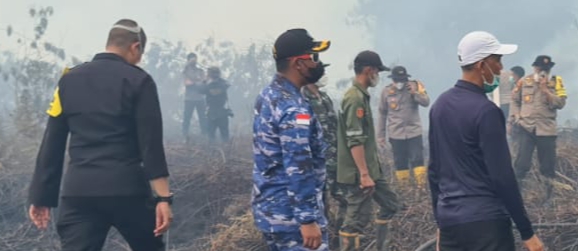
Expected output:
(420, 87)
(560, 90)
(55, 108)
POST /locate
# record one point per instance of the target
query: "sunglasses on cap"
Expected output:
(313, 57)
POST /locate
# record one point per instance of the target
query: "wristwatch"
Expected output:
(168, 199)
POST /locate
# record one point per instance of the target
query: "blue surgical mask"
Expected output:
(490, 87)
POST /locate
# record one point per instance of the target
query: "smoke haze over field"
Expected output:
(420, 34)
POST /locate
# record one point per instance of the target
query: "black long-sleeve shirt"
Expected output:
(111, 111)
(470, 171)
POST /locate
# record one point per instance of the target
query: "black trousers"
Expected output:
(546, 146)
(83, 222)
(494, 235)
(221, 124)
(190, 107)
(407, 153)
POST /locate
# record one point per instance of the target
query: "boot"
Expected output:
(349, 241)
(402, 177)
(420, 174)
(381, 241)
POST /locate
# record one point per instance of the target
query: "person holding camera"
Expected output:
(218, 111)
(399, 113)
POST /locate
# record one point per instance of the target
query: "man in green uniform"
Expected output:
(323, 108)
(358, 167)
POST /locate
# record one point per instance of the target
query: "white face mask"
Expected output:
(374, 81)
(538, 76)
(399, 85)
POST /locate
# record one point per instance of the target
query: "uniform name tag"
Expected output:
(303, 119)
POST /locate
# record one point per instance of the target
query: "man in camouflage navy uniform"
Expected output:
(194, 100)
(358, 166)
(323, 108)
(216, 99)
(535, 101)
(399, 110)
(288, 147)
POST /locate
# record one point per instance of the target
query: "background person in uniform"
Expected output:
(473, 187)
(288, 146)
(194, 98)
(507, 86)
(537, 98)
(322, 106)
(399, 110)
(358, 166)
(217, 110)
(111, 109)
(513, 131)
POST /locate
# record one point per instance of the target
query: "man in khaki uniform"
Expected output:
(399, 110)
(358, 166)
(536, 98)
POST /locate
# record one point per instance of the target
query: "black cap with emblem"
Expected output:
(543, 62)
(399, 72)
(297, 42)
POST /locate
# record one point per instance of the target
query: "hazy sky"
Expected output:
(80, 27)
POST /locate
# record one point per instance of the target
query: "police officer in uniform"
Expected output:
(536, 99)
(111, 110)
(288, 148)
(358, 166)
(216, 99)
(399, 110)
(194, 100)
(323, 108)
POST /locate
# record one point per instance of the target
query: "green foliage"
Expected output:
(33, 75)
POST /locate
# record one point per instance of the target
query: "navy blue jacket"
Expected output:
(470, 170)
(111, 111)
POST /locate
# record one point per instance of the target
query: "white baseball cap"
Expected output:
(478, 45)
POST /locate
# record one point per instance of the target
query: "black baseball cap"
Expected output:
(518, 70)
(369, 58)
(543, 61)
(296, 42)
(399, 72)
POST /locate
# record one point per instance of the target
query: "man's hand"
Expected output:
(366, 183)
(534, 244)
(40, 216)
(164, 218)
(543, 83)
(311, 234)
(412, 87)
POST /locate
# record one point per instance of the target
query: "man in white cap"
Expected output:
(473, 187)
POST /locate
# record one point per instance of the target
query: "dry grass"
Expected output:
(212, 210)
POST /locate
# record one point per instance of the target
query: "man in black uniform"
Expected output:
(194, 85)
(217, 110)
(111, 109)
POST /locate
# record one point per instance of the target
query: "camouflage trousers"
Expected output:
(292, 241)
(359, 206)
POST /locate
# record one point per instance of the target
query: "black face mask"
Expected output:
(315, 73)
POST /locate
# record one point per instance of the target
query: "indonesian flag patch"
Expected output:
(303, 119)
